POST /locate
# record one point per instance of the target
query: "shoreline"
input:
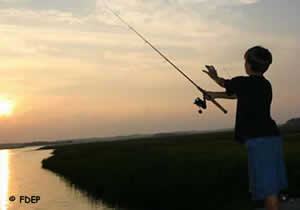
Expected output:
(286, 128)
(64, 142)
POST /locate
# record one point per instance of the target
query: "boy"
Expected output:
(255, 127)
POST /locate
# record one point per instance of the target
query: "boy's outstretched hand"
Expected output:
(212, 72)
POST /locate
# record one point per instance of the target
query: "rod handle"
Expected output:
(219, 106)
(213, 100)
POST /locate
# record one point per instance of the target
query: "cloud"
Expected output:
(248, 1)
(80, 7)
(47, 31)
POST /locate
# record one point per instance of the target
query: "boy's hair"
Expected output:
(259, 59)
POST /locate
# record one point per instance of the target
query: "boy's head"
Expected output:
(257, 60)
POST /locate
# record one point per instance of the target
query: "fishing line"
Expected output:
(200, 104)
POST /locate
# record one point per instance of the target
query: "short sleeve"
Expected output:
(233, 86)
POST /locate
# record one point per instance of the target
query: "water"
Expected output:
(21, 175)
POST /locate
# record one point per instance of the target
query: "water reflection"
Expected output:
(21, 175)
(3, 179)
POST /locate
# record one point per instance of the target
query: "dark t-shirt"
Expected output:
(253, 118)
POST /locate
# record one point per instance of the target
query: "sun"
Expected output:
(6, 107)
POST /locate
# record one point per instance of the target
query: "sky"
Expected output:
(72, 70)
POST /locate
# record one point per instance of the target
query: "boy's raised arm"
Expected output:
(212, 73)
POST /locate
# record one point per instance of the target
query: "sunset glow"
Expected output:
(6, 107)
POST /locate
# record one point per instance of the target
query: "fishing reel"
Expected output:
(201, 103)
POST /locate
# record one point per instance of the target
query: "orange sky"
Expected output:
(76, 71)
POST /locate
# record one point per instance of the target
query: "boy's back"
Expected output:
(253, 118)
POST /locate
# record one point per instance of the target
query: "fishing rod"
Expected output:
(198, 101)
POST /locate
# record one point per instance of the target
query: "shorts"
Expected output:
(266, 166)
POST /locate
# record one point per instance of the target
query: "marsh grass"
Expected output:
(192, 171)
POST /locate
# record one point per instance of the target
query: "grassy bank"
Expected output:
(199, 171)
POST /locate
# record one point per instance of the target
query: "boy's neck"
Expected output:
(256, 74)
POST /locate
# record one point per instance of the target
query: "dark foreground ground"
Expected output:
(186, 172)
